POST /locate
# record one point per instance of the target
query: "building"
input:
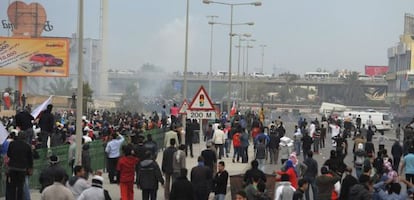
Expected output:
(400, 76)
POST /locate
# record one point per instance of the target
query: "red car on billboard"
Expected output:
(47, 59)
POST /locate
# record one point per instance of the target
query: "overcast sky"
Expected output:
(300, 35)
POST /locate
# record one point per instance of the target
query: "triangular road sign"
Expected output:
(183, 108)
(201, 101)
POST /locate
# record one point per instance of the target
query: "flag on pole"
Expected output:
(3, 133)
(233, 109)
(35, 113)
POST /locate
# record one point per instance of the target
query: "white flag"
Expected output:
(41, 107)
(3, 133)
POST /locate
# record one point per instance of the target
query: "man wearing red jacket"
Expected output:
(126, 170)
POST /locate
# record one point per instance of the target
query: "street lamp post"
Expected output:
(247, 63)
(238, 62)
(263, 47)
(185, 68)
(230, 41)
(211, 53)
(79, 104)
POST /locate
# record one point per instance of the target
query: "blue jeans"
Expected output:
(220, 197)
(26, 188)
(297, 147)
(312, 184)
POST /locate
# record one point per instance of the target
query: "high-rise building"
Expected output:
(400, 77)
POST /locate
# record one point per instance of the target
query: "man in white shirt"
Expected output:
(219, 139)
(312, 129)
(113, 151)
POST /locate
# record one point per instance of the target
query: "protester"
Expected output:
(96, 191)
(113, 152)
(201, 179)
(285, 190)
(77, 184)
(126, 170)
(46, 124)
(47, 176)
(303, 186)
(220, 182)
(57, 190)
(20, 164)
(167, 166)
(182, 189)
(149, 175)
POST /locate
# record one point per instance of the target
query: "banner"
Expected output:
(35, 113)
(34, 57)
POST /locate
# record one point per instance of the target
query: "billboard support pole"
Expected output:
(79, 100)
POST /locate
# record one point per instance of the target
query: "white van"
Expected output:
(381, 121)
(260, 75)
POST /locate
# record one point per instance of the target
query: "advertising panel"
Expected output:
(47, 57)
(375, 70)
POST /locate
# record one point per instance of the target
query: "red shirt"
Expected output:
(126, 168)
(236, 140)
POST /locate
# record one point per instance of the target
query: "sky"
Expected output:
(300, 36)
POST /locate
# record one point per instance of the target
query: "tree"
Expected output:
(60, 87)
(87, 96)
(130, 100)
(286, 91)
(354, 93)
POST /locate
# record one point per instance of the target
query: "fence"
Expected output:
(96, 152)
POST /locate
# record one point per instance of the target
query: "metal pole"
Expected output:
(185, 67)
(263, 47)
(211, 55)
(238, 68)
(230, 51)
(244, 74)
(79, 101)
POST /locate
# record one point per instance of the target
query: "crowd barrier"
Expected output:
(96, 152)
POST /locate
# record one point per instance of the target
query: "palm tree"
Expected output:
(354, 93)
(60, 86)
(286, 91)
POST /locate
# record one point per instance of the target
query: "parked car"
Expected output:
(30, 66)
(47, 59)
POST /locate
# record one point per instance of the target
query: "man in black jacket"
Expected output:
(167, 166)
(397, 152)
(254, 172)
(220, 182)
(189, 135)
(24, 123)
(201, 178)
(274, 147)
(46, 124)
(182, 189)
(310, 174)
(20, 165)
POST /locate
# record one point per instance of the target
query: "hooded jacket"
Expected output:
(149, 175)
(284, 191)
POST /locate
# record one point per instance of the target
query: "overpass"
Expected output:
(112, 77)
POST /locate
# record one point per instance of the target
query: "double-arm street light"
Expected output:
(210, 74)
(240, 36)
(230, 40)
(247, 64)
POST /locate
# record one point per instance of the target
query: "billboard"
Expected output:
(48, 57)
(375, 70)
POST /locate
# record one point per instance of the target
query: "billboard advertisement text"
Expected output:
(34, 57)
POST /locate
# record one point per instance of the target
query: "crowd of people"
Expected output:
(132, 157)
